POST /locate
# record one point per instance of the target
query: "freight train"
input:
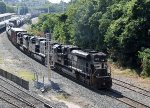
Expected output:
(87, 66)
(4, 18)
(10, 19)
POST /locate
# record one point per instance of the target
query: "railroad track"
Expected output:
(20, 103)
(121, 98)
(15, 95)
(111, 93)
(126, 100)
(129, 101)
(131, 87)
(31, 100)
(7, 101)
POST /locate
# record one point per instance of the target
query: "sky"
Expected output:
(57, 1)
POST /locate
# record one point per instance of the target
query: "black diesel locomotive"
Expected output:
(87, 66)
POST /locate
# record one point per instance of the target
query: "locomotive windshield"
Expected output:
(33, 41)
(99, 58)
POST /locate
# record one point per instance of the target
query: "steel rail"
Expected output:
(19, 97)
(131, 102)
(26, 93)
(131, 85)
(131, 89)
(9, 102)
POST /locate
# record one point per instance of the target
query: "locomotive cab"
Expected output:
(57, 48)
(20, 37)
(37, 45)
(101, 71)
(100, 64)
(42, 48)
(54, 56)
(32, 43)
(26, 39)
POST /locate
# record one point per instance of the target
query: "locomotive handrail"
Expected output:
(79, 66)
(84, 68)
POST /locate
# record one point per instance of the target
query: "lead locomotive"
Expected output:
(89, 67)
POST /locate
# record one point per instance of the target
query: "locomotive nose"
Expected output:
(100, 72)
(103, 80)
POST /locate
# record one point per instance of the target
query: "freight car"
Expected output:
(9, 20)
(87, 66)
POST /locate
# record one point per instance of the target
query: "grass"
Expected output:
(130, 73)
(123, 71)
(1, 60)
(62, 96)
(26, 75)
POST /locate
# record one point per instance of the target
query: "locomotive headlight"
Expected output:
(104, 83)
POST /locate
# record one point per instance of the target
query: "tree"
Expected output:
(23, 10)
(2, 7)
(129, 34)
(10, 9)
(145, 59)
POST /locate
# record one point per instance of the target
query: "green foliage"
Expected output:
(145, 58)
(63, 18)
(129, 33)
(2, 7)
(57, 8)
(23, 10)
(10, 9)
(46, 22)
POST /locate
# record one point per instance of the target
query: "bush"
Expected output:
(145, 58)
